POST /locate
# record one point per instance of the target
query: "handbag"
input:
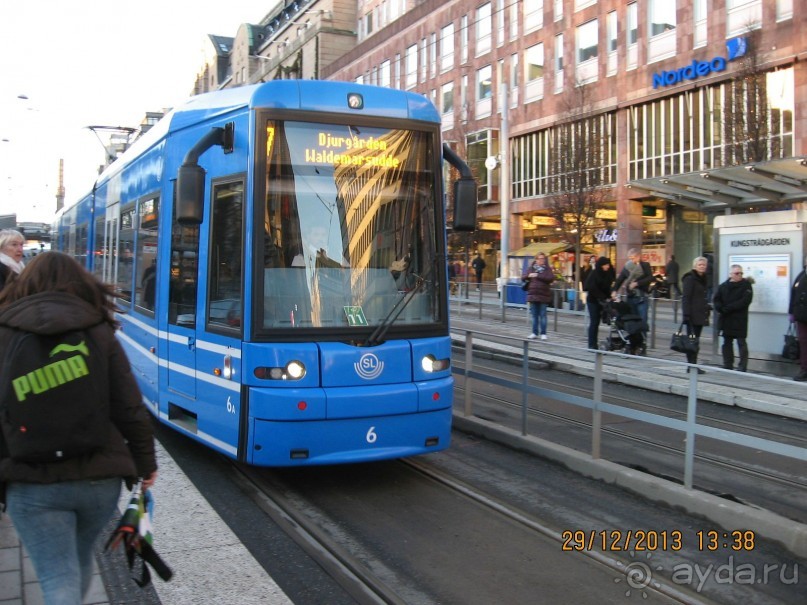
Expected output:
(791, 348)
(525, 286)
(684, 341)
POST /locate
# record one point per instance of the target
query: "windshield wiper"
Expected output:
(381, 330)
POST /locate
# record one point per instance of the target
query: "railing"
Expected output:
(465, 295)
(689, 427)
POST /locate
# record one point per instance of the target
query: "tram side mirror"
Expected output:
(190, 194)
(465, 204)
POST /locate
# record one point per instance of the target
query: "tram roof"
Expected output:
(756, 184)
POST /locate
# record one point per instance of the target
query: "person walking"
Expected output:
(694, 304)
(731, 301)
(598, 290)
(797, 311)
(11, 255)
(539, 292)
(636, 275)
(59, 508)
(478, 265)
(671, 274)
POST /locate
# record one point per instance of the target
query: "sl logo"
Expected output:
(369, 366)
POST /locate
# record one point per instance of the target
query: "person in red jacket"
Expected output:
(60, 508)
(539, 292)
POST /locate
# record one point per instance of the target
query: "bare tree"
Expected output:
(747, 114)
(582, 146)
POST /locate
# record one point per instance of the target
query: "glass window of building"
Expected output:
(514, 20)
(447, 97)
(633, 36)
(587, 43)
(483, 29)
(558, 10)
(534, 72)
(581, 4)
(433, 56)
(484, 91)
(464, 38)
(611, 24)
(500, 22)
(533, 15)
(699, 11)
(558, 63)
(424, 59)
(447, 47)
(742, 15)
(411, 66)
(661, 43)
(384, 74)
(784, 9)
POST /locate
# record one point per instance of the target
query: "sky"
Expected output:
(92, 62)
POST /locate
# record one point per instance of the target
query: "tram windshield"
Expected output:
(350, 227)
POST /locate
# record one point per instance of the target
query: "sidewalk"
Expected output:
(767, 386)
(210, 564)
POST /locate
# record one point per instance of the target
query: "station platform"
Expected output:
(767, 386)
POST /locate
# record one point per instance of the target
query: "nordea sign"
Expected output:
(736, 47)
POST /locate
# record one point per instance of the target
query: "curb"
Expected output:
(790, 534)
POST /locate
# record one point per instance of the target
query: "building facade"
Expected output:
(645, 107)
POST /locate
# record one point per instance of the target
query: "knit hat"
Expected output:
(602, 261)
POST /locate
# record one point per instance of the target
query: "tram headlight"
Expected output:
(294, 370)
(431, 364)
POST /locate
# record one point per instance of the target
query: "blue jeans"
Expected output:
(538, 314)
(639, 305)
(58, 524)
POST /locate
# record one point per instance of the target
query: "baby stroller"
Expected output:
(626, 329)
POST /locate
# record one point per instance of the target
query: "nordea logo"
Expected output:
(735, 47)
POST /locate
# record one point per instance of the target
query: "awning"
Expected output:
(759, 184)
(531, 250)
(534, 248)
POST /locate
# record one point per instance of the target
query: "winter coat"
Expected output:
(732, 301)
(5, 273)
(56, 313)
(642, 282)
(798, 298)
(599, 281)
(694, 306)
(540, 289)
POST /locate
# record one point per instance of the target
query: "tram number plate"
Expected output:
(355, 316)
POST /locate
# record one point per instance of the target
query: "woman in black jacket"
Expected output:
(694, 305)
(59, 508)
(598, 287)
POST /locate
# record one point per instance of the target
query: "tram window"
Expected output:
(183, 273)
(98, 249)
(125, 253)
(226, 246)
(146, 262)
(81, 244)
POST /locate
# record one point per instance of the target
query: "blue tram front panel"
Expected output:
(351, 404)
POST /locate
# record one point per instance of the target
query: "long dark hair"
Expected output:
(58, 272)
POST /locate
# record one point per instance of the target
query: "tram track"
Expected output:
(353, 567)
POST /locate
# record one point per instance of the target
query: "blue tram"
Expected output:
(279, 255)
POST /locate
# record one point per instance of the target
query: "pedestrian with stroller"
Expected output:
(60, 507)
(539, 276)
(695, 307)
(636, 275)
(732, 300)
(598, 289)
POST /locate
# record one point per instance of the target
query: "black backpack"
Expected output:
(54, 397)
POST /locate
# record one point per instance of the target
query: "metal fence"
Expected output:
(689, 427)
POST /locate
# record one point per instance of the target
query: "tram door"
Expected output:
(183, 280)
